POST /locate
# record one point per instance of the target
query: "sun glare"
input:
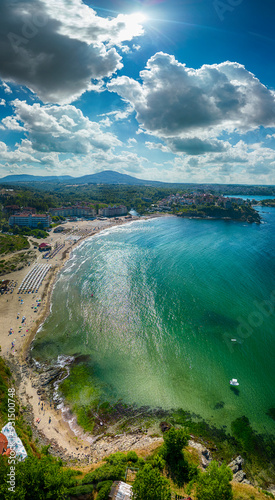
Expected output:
(133, 24)
(139, 17)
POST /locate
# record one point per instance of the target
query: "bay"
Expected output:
(169, 294)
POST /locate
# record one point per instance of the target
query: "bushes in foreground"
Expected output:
(38, 479)
(214, 483)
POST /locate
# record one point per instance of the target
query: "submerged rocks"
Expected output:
(49, 376)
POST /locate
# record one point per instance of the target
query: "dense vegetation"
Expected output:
(214, 483)
(26, 231)
(43, 197)
(268, 203)
(244, 212)
(37, 478)
(150, 484)
(178, 468)
(10, 243)
(49, 195)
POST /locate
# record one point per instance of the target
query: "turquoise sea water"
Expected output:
(169, 294)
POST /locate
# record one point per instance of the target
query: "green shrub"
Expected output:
(104, 489)
(151, 485)
(104, 473)
(131, 456)
(214, 483)
(81, 490)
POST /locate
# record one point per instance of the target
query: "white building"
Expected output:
(75, 211)
(113, 211)
(120, 491)
(30, 220)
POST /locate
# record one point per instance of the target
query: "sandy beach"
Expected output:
(16, 334)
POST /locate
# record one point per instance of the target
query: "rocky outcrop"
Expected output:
(239, 476)
(236, 465)
(121, 442)
(204, 453)
(164, 426)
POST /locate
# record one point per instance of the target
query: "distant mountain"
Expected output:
(105, 177)
(33, 178)
(111, 177)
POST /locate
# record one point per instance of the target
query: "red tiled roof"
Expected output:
(29, 214)
(40, 215)
(3, 443)
(3, 438)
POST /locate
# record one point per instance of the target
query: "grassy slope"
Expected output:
(16, 261)
(12, 243)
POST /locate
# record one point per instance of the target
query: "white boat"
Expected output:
(234, 381)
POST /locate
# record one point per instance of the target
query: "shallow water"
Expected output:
(169, 294)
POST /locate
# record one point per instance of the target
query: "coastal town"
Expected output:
(190, 203)
(198, 199)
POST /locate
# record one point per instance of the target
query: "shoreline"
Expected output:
(55, 425)
(74, 448)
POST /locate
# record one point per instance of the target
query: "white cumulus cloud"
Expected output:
(62, 129)
(60, 49)
(190, 108)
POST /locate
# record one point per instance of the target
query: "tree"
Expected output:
(15, 229)
(214, 484)
(6, 228)
(151, 485)
(37, 478)
(174, 441)
(178, 468)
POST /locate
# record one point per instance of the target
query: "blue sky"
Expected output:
(178, 91)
